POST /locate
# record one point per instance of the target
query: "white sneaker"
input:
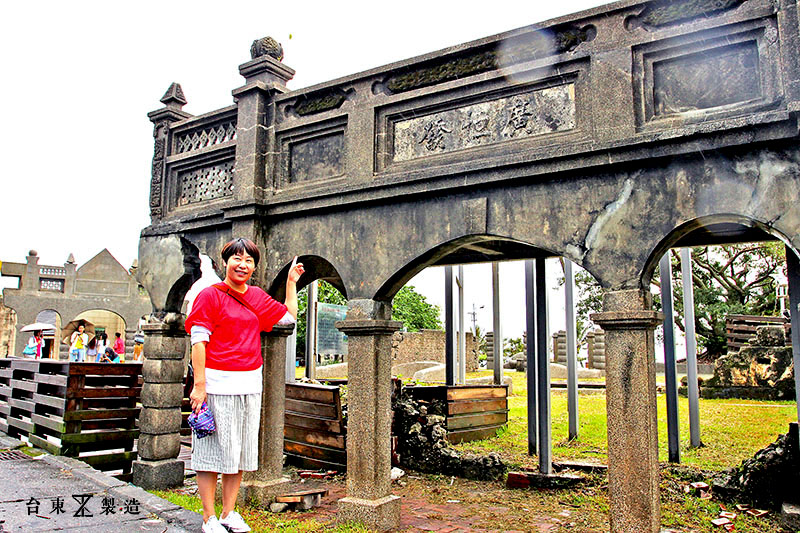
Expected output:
(235, 523)
(213, 526)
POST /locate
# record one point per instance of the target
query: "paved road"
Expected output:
(51, 493)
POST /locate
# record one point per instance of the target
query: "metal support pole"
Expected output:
(793, 273)
(691, 348)
(291, 356)
(449, 334)
(462, 332)
(670, 369)
(311, 332)
(530, 353)
(543, 371)
(497, 345)
(572, 352)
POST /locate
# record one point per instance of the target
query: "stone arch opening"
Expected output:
(317, 268)
(51, 341)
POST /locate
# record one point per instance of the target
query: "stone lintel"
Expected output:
(266, 69)
(157, 475)
(280, 331)
(382, 514)
(166, 114)
(365, 327)
(612, 320)
(261, 493)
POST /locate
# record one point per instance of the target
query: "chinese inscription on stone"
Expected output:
(537, 112)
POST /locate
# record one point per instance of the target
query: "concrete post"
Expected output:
(793, 273)
(158, 466)
(628, 321)
(461, 376)
(530, 355)
(449, 329)
(497, 345)
(369, 499)
(691, 348)
(572, 351)
(543, 369)
(261, 486)
(311, 331)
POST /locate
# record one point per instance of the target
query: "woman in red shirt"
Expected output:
(119, 345)
(225, 324)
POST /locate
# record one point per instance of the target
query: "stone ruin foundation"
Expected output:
(422, 443)
(762, 369)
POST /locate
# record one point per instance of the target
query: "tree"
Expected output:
(414, 310)
(727, 280)
(408, 306)
(730, 279)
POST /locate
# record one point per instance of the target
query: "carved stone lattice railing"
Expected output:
(205, 137)
(206, 183)
(52, 271)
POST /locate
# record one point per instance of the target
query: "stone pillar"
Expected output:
(369, 499)
(260, 487)
(628, 322)
(158, 466)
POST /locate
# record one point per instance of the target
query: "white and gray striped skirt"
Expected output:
(233, 447)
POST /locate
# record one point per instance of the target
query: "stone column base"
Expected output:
(261, 493)
(157, 475)
(382, 514)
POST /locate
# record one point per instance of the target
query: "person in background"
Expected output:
(225, 325)
(34, 347)
(119, 345)
(77, 345)
(91, 350)
(102, 343)
(109, 356)
(138, 346)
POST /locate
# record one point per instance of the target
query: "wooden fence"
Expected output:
(739, 328)
(314, 427)
(473, 411)
(82, 410)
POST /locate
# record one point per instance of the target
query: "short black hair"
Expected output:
(241, 245)
(118, 334)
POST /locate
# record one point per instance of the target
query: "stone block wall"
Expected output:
(428, 345)
(8, 330)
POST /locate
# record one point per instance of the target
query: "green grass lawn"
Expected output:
(731, 430)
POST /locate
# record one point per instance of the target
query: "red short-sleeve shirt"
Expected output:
(235, 342)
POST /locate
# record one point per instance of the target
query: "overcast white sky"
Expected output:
(80, 77)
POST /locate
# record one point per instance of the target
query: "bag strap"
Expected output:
(233, 294)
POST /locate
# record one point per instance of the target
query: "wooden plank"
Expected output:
(56, 424)
(26, 365)
(312, 422)
(467, 435)
(314, 464)
(330, 455)
(100, 436)
(51, 379)
(3, 426)
(297, 497)
(316, 409)
(104, 393)
(477, 392)
(25, 385)
(476, 406)
(6, 373)
(317, 438)
(108, 423)
(105, 369)
(5, 390)
(5, 409)
(24, 405)
(94, 414)
(312, 392)
(51, 401)
(474, 420)
(24, 425)
(110, 461)
(44, 444)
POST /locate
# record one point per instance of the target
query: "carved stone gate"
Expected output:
(606, 137)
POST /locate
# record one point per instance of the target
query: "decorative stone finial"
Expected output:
(266, 46)
(71, 259)
(174, 96)
(33, 252)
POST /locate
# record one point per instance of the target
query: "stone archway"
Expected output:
(604, 140)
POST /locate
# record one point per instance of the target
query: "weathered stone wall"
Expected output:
(428, 345)
(8, 330)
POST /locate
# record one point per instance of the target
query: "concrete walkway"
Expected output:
(51, 493)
